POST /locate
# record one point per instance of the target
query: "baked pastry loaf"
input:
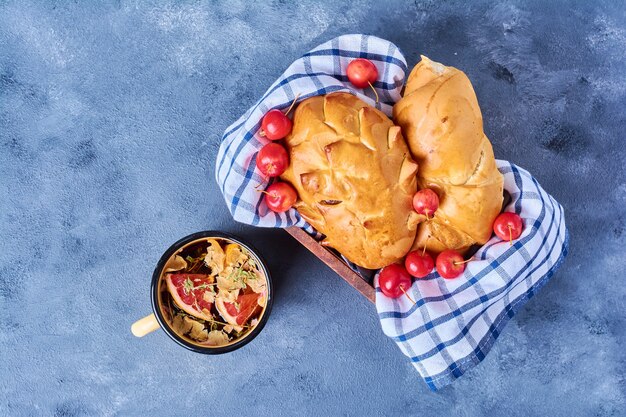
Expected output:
(355, 178)
(442, 122)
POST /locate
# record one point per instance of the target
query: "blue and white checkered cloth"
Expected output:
(454, 322)
(320, 71)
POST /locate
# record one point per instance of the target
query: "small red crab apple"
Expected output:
(362, 73)
(508, 226)
(275, 124)
(450, 264)
(419, 263)
(426, 202)
(394, 281)
(272, 160)
(280, 196)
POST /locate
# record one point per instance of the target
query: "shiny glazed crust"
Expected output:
(443, 125)
(355, 178)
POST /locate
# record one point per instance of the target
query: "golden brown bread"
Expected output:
(442, 123)
(355, 178)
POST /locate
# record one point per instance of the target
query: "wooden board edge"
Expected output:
(335, 263)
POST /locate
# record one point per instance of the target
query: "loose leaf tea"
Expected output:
(213, 292)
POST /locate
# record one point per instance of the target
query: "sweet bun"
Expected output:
(355, 178)
(443, 125)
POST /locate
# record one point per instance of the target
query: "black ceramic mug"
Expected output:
(158, 319)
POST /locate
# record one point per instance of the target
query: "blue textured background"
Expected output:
(110, 118)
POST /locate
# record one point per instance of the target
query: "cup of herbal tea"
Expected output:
(211, 293)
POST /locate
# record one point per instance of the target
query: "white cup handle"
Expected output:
(143, 326)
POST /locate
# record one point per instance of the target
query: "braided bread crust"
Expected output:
(441, 120)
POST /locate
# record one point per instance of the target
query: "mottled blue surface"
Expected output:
(110, 117)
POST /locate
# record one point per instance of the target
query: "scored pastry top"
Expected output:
(355, 178)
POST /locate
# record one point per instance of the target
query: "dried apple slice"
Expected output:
(217, 338)
(215, 257)
(257, 283)
(234, 255)
(175, 264)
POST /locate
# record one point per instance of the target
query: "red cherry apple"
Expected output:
(362, 72)
(272, 159)
(394, 280)
(276, 125)
(508, 226)
(450, 264)
(280, 196)
(419, 263)
(426, 202)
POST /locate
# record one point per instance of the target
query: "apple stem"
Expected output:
(425, 243)
(407, 294)
(292, 104)
(374, 90)
(464, 262)
(510, 235)
(262, 134)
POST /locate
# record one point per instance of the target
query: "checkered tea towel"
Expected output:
(454, 323)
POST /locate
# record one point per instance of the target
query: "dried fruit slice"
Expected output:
(215, 257)
(234, 255)
(193, 293)
(239, 313)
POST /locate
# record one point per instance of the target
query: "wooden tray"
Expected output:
(334, 262)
